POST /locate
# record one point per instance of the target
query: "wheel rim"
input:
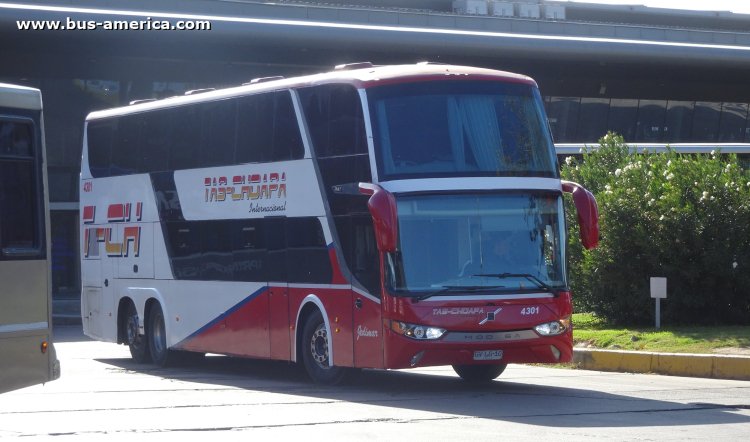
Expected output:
(132, 329)
(159, 341)
(319, 346)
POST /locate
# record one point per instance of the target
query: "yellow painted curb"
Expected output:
(675, 364)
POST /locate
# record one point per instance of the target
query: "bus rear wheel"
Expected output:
(315, 352)
(156, 334)
(139, 349)
(479, 373)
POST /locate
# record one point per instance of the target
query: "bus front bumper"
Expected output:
(467, 348)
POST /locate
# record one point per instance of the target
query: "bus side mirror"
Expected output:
(588, 213)
(382, 206)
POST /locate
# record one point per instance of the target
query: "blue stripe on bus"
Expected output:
(223, 316)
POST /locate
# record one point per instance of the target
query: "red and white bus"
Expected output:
(369, 217)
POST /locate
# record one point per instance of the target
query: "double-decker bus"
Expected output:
(368, 217)
(27, 356)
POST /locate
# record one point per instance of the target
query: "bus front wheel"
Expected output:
(137, 343)
(479, 373)
(315, 352)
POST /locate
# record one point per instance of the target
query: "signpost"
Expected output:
(658, 292)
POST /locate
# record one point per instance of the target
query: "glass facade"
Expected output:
(623, 114)
(66, 280)
(586, 119)
(733, 123)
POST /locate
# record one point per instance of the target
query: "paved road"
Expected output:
(103, 394)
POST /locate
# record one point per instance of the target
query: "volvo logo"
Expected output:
(490, 316)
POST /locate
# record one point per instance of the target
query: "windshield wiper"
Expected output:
(457, 288)
(528, 276)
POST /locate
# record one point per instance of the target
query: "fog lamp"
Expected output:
(416, 358)
(555, 352)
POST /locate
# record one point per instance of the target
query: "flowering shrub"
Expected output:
(682, 216)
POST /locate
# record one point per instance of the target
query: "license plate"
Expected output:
(488, 355)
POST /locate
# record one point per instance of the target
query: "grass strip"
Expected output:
(592, 332)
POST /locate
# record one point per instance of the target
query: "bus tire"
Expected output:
(314, 347)
(138, 344)
(479, 373)
(156, 333)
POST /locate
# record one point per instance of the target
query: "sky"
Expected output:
(739, 6)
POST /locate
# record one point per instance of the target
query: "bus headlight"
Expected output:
(420, 332)
(553, 328)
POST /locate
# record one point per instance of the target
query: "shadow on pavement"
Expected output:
(68, 333)
(502, 400)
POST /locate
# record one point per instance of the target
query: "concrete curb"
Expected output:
(675, 364)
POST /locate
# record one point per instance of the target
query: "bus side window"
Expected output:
(335, 120)
(307, 252)
(365, 263)
(219, 121)
(185, 148)
(19, 228)
(255, 128)
(250, 260)
(127, 157)
(15, 139)
(100, 135)
(157, 133)
(216, 255)
(184, 242)
(267, 129)
(360, 250)
(287, 141)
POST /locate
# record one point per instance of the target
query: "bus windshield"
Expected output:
(460, 128)
(500, 242)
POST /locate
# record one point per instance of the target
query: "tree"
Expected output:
(682, 216)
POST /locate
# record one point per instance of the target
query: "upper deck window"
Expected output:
(247, 129)
(460, 128)
(334, 118)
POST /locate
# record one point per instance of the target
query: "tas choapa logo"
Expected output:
(457, 311)
(251, 187)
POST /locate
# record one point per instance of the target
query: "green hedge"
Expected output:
(682, 216)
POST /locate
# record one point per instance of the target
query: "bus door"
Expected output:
(96, 300)
(365, 266)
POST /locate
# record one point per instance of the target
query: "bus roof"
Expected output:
(360, 77)
(20, 97)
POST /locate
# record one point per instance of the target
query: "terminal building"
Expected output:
(652, 75)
